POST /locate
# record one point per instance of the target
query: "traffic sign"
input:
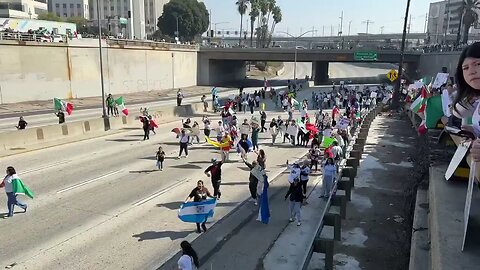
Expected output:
(392, 75)
(365, 56)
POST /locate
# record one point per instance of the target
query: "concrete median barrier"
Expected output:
(17, 139)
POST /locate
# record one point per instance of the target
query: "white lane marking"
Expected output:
(88, 181)
(160, 192)
(46, 167)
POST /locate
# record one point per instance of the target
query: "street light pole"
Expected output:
(104, 111)
(295, 58)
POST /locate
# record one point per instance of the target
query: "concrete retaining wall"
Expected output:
(42, 72)
(431, 64)
(58, 134)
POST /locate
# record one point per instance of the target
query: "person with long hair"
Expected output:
(467, 101)
(189, 259)
(261, 158)
(329, 174)
(11, 196)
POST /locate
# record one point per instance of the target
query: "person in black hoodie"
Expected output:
(215, 172)
(295, 193)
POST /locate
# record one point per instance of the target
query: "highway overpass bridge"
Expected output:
(219, 65)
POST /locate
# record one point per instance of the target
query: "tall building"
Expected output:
(70, 8)
(22, 9)
(444, 17)
(114, 15)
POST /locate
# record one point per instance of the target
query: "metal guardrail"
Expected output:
(154, 44)
(32, 37)
(307, 258)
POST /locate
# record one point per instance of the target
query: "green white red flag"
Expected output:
(64, 106)
(121, 105)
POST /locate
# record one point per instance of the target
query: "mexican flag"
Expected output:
(63, 106)
(121, 104)
(433, 111)
(418, 105)
(19, 188)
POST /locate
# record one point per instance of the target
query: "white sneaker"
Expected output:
(298, 223)
(256, 203)
(161, 170)
(291, 220)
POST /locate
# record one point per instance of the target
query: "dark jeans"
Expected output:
(252, 185)
(203, 226)
(292, 139)
(146, 135)
(216, 188)
(255, 144)
(110, 110)
(251, 109)
(183, 147)
(314, 163)
(304, 186)
(12, 201)
(262, 124)
(179, 101)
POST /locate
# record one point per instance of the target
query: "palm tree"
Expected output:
(254, 13)
(242, 9)
(470, 16)
(277, 17)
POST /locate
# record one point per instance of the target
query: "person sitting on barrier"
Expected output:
(22, 124)
(329, 174)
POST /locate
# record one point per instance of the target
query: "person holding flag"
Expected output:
(296, 199)
(110, 101)
(200, 194)
(13, 187)
(262, 195)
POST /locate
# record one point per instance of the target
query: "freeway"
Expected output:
(102, 205)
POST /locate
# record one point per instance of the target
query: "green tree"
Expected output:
(49, 17)
(81, 23)
(277, 18)
(193, 19)
(470, 16)
(242, 9)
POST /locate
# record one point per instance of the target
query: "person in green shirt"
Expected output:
(110, 104)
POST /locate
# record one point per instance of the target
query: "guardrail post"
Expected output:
(351, 173)
(326, 246)
(356, 154)
(346, 186)
(340, 201)
(358, 147)
(333, 219)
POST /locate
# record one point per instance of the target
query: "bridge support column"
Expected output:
(320, 72)
(219, 72)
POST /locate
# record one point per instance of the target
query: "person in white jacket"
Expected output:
(292, 131)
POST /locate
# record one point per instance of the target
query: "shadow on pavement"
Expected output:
(187, 166)
(152, 235)
(176, 205)
(123, 140)
(143, 171)
(234, 183)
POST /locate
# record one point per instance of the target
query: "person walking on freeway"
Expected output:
(329, 172)
(199, 194)
(214, 171)
(146, 128)
(256, 175)
(22, 124)
(184, 140)
(296, 198)
(160, 158)
(9, 189)
(189, 259)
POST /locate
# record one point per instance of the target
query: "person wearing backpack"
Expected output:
(189, 258)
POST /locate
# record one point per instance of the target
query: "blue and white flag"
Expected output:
(197, 212)
(264, 211)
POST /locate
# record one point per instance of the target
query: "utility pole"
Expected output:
(381, 29)
(425, 26)
(331, 30)
(349, 25)
(323, 30)
(396, 93)
(340, 31)
(368, 22)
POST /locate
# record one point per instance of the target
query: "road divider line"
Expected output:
(46, 166)
(160, 192)
(88, 181)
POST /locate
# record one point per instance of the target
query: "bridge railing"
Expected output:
(18, 36)
(155, 44)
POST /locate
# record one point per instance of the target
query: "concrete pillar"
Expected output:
(320, 72)
(219, 72)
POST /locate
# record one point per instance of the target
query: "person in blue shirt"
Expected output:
(329, 174)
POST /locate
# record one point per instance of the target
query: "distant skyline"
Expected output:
(300, 16)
